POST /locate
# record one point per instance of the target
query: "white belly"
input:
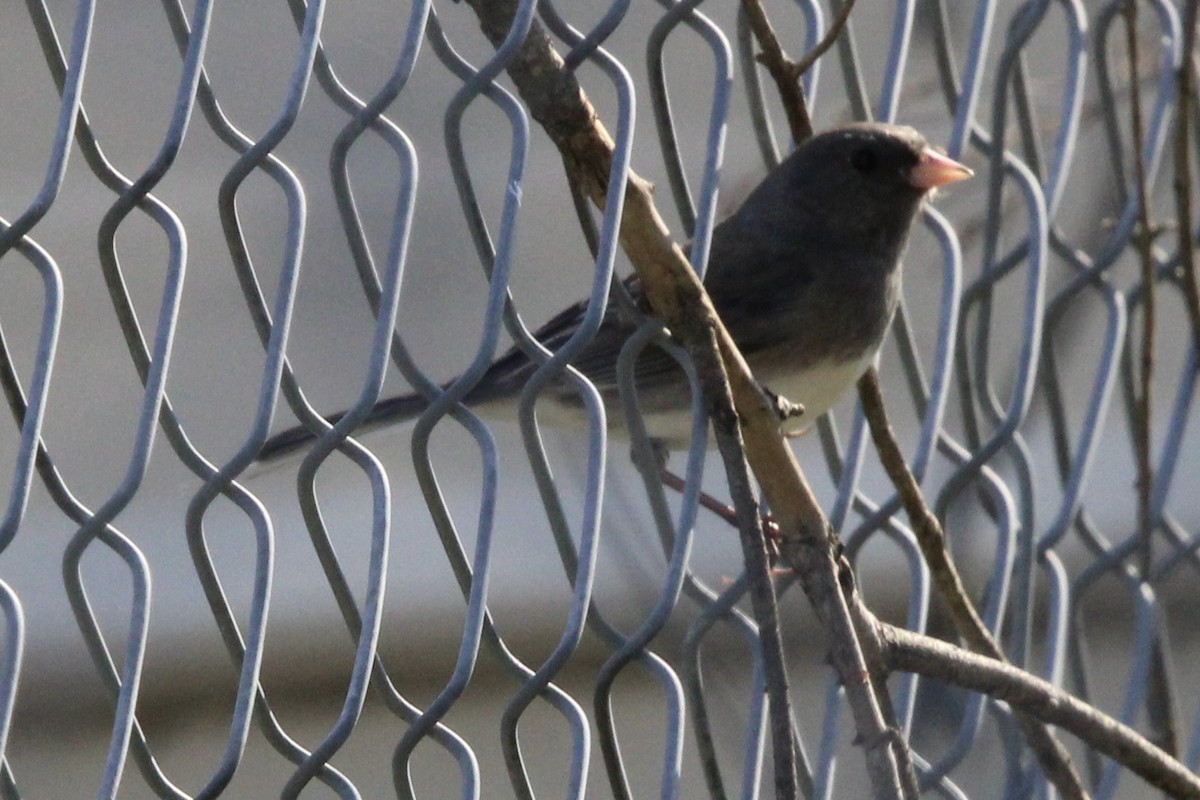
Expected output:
(818, 388)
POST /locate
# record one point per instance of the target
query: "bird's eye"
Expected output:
(864, 160)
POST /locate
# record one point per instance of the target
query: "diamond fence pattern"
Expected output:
(1012, 370)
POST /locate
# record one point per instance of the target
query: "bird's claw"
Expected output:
(784, 409)
(772, 535)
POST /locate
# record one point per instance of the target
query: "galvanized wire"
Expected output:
(997, 409)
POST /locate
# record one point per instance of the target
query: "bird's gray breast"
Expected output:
(802, 300)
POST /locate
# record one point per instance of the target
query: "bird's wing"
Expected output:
(597, 360)
(759, 306)
(744, 283)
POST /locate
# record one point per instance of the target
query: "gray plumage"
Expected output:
(805, 275)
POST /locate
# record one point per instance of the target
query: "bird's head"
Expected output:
(859, 179)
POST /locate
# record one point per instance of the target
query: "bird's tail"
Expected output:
(385, 412)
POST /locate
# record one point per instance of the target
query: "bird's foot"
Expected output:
(772, 536)
(784, 409)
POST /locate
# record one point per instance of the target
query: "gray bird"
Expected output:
(805, 275)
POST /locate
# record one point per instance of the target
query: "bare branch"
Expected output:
(831, 36)
(781, 70)
(1158, 696)
(924, 655)
(715, 385)
(1143, 239)
(787, 73)
(1054, 758)
(867, 627)
(1185, 90)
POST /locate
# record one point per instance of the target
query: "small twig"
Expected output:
(911, 652)
(879, 739)
(764, 601)
(830, 38)
(867, 626)
(1159, 712)
(1183, 172)
(782, 71)
(1054, 758)
(1143, 240)
(787, 73)
(926, 526)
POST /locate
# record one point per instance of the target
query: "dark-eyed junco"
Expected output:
(805, 275)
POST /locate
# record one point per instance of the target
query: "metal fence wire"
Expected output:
(220, 220)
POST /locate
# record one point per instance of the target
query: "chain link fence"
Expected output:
(216, 218)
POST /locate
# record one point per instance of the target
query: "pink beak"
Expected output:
(935, 169)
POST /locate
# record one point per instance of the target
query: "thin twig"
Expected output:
(867, 627)
(764, 601)
(830, 38)
(1159, 712)
(1054, 758)
(926, 526)
(924, 655)
(781, 69)
(1183, 172)
(787, 73)
(1143, 239)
